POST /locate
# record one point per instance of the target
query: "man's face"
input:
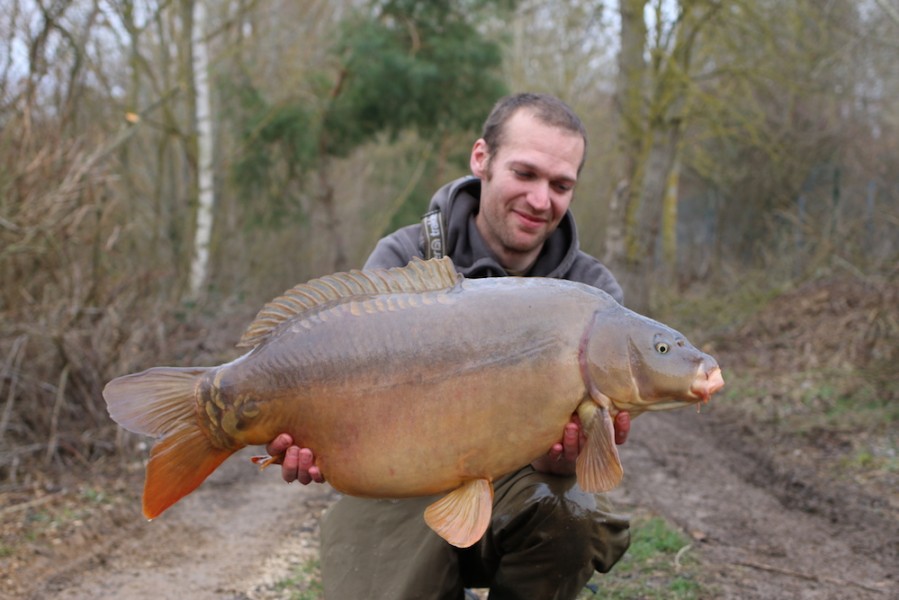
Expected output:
(526, 186)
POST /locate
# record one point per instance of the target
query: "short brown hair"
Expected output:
(548, 109)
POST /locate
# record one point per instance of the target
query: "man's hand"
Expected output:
(297, 464)
(561, 458)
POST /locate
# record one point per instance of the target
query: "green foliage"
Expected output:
(881, 456)
(415, 66)
(715, 308)
(774, 128)
(655, 536)
(278, 142)
(94, 495)
(435, 174)
(419, 65)
(657, 565)
(304, 583)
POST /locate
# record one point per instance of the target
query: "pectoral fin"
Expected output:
(598, 466)
(265, 460)
(462, 516)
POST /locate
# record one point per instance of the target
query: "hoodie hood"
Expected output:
(458, 203)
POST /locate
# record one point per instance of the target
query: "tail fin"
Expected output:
(162, 402)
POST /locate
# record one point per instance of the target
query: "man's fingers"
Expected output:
(555, 452)
(305, 462)
(290, 463)
(571, 442)
(622, 426)
(279, 444)
(316, 475)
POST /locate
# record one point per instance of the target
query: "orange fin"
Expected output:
(265, 460)
(179, 463)
(162, 402)
(598, 465)
(462, 516)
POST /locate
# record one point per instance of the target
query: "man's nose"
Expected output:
(540, 196)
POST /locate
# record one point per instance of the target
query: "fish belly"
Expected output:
(414, 394)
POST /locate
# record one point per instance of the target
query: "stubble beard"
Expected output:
(503, 229)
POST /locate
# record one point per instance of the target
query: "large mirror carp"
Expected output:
(416, 381)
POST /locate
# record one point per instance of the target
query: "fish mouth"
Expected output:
(706, 384)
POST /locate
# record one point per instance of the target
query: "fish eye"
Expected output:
(662, 347)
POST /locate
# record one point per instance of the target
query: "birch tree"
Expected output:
(205, 180)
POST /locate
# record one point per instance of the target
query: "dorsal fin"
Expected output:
(418, 276)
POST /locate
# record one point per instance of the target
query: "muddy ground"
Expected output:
(769, 516)
(761, 527)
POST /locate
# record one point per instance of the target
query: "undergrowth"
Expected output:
(808, 365)
(658, 565)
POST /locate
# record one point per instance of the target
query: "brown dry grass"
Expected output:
(71, 289)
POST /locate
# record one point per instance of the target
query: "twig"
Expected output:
(7, 456)
(12, 371)
(809, 576)
(24, 505)
(54, 420)
(891, 12)
(9, 225)
(126, 130)
(680, 555)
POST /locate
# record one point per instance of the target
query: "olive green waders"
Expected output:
(545, 540)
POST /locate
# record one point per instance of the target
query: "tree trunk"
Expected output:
(205, 183)
(669, 216)
(630, 109)
(645, 225)
(332, 220)
(650, 140)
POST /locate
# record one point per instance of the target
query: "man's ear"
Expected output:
(480, 156)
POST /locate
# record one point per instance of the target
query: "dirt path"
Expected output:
(236, 537)
(767, 528)
(762, 528)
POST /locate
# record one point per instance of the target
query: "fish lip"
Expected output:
(707, 383)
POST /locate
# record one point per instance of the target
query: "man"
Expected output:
(546, 536)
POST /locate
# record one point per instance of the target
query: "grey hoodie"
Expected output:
(458, 203)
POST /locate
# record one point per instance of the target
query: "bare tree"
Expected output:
(205, 180)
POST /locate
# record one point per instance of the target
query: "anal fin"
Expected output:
(462, 516)
(178, 464)
(598, 465)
